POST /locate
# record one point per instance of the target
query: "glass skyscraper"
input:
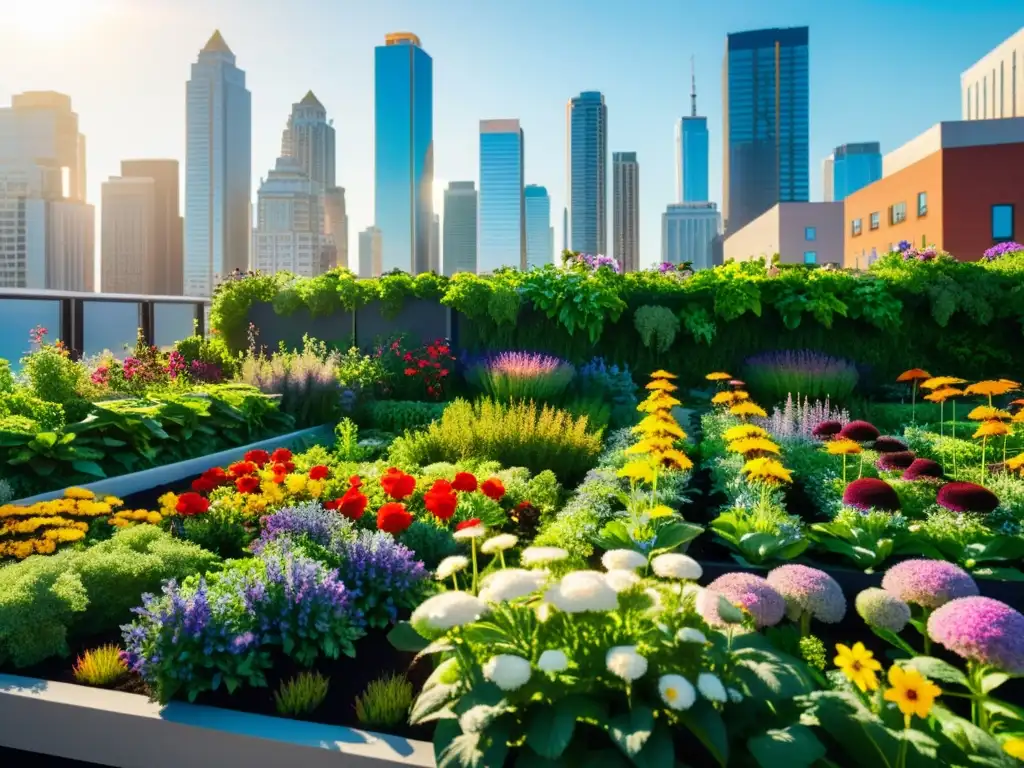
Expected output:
(538, 227)
(851, 167)
(501, 218)
(692, 153)
(766, 122)
(460, 202)
(404, 152)
(218, 169)
(587, 129)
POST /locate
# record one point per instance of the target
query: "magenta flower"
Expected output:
(753, 594)
(983, 630)
(809, 591)
(897, 461)
(870, 493)
(923, 469)
(967, 497)
(928, 583)
(827, 429)
(886, 444)
(859, 432)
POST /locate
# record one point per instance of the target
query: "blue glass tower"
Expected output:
(855, 166)
(538, 227)
(692, 153)
(501, 219)
(587, 127)
(766, 122)
(404, 152)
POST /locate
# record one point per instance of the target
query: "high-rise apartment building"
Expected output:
(404, 152)
(766, 122)
(336, 225)
(460, 208)
(309, 138)
(218, 169)
(849, 168)
(289, 234)
(168, 226)
(128, 248)
(539, 245)
(993, 87)
(626, 210)
(369, 253)
(41, 128)
(586, 118)
(501, 219)
(692, 152)
(688, 232)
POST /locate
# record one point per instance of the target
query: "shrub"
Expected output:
(415, 371)
(773, 375)
(967, 497)
(859, 432)
(870, 493)
(305, 380)
(207, 358)
(399, 416)
(522, 376)
(301, 695)
(385, 702)
(516, 434)
(805, 419)
(53, 376)
(19, 402)
(612, 385)
(100, 667)
(6, 377)
(430, 543)
(657, 327)
(926, 468)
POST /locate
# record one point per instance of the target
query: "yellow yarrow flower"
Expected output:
(1016, 463)
(638, 471)
(662, 385)
(992, 428)
(658, 401)
(941, 382)
(942, 395)
(660, 425)
(718, 376)
(661, 511)
(985, 413)
(663, 374)
(752, 445)
(673, 459)
(748, 409)
(78, 493)
(992, 388)
(295, 483)
(650, 445)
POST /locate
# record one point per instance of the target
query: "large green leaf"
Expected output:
(770, 676)
(551, 728)
(705, 722)
(88, 468)
(793, 747)
(631, 729)
(404, 638)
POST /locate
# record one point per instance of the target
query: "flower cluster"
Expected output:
(590, 262)
(418, 370)
(38, 529)
(383, 577)
(1002, 249)
(659, 431)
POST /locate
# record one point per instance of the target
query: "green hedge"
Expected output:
(951, 317)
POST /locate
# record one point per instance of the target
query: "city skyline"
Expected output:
(153, 125)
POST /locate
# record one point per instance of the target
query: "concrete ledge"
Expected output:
(154, 477)
(129, 731)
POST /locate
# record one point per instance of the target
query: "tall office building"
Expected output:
(128, 258)
(289, 234)
(626, 210)
(849, 168)
(336, 225)
(309, 138)
(586, 118)
(539, 245)
(501, 219)
(688, 233)
(692, 152)
(565, 230)
(460, 204)
(218, 169)
(766, 123)
(168, 276)
(435, 245)
(369, 253)
(404, 152)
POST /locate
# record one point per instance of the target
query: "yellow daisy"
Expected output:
(718, 376)
(741, 431)
(767, 471)
(747, 409)
(842, 447)
(753, 445)
(985, 412)
(859, 665)
(913, 693)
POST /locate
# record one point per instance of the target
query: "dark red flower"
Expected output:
(247, 484)
(241, 468)
(923, 469)
(468, 523)
(422, 363)
(393, 518)
(889, 445)
(441, 500)
(493, 489)
(355, 481)
(464, 481)
(202, 484)
(859, 432)
(895, 462)
(870, 493)
(190, 504)
(353, 504)
(257, 456)
(281, 456)
(407, 357)
(319, 472)
(397, 484)
(967, 497)
(827, 429)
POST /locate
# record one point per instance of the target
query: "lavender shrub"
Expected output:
(772, 375)
(522, 376)
(799, 419)
(306, 381)
(308, 520)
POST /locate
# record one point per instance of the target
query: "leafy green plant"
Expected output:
(867, 539)
(399, 416)
(521, 376)
(301, 695)
(100, 667)
(346, 444)
(763, 534)
(223, 530)
(6, 377)
(431, 543)
(19, 402)
(304, 379)
(657, 327)
(385, 702)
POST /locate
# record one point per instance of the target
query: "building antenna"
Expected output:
(693, 90)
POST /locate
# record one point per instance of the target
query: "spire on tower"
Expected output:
(693, 90)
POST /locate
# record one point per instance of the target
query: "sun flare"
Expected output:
(46, 20)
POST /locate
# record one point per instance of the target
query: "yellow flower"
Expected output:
(63, 534)
(1014, 747)
(295, 483)
(658, 401)
(661, 384)
(79, 493)
(315, 488)
(747, 409)
(641, 471)
(1017, 462)
(913, 693)
(673, 459)
(114, 502)
(661, 511)
(663, 374)
(753, 444)
(842, 447)
(984, 413)
(942, 395)
(992, 428)
(992, 388)
(650, 445)
(660, 425)
(741, 431)
(1018, 417)
(941, 382)
(723, 398)
(859, 665)
(168, 501)
(767, 471)
(718, 376)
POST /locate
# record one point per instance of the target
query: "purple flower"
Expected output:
(808, 590)
(754, 594)
(928, 583)
(923, 469)
(1000, 250)
(982, 630)
(383, 577)
(309, 520)
(860, 431)
(886, 444)
(903, 245)
(804, 419)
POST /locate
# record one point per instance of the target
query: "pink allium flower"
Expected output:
(967, 497)
(753, 594)
(923, 469)
(983, 630)
(896, 461)
(870, 493)
(889, 445)
(808, 590)
(860, 432)
(827, 429)
(928, 583)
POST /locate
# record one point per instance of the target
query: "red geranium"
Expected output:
(247, 484)
(393, 518)
(257, 456)
(353, 504)
(319, 472)
(242, 468)
(397, 484)
(280, 456)
(280, 471)
(355, 481)
(464, 481)
(493, 489)
(468, 523)
(202, 484)
(441, 500)
(190, 504)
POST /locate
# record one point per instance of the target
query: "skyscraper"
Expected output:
(309, 138)
(766, 122)
(369, 253)
(435, 245)
(404, 152)
(218, 169)
(167, 225)
(336, 225)
(626, 210)
(851, 167)
(586, 118)
(688, 232)
(289, 234)
(460, 204)
(128, 261)
(501, 219)
(692, 152)
(539, 246)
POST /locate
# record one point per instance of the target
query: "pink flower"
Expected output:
(967, 497)
(928, 583)
(753, 594)
(983, 630)
(870, 493)
(808, 590)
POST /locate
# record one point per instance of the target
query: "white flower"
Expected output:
(473, 532)
(623, 661)
(553, 661)
(475, 719)
(583, 591)
(711, 687)
(620, 579)
(691, 635)
(447, 610)
(507, 672)
(450, 566)
(542, 555)
(510, 583)
(676, 691)
(734, 696)
(673, 565)
(623, 559)
(499, 543)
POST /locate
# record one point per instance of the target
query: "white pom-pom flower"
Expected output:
(447, 610)
(620, 579)
(473, 532)
(623, 661)
(450, 566)
(623, 559)
(553, 661)
(673, 565)
(499, 543)
(510, 583)
(542, 555)
(581, 591)
(677, 692)
(510, 673)
(711, 687)
(691, 635)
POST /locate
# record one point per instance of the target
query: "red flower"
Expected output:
(282, 468)
(441, 500)
(212, 478)
(423, 363)
(393, 518)
(468, 523)
(411, 371)
(202, 484)
(247, 484)
(281, 456)
(353, 504)
(355, 481)
(332, 504)
(408, 357)
(319, 472)
(190, 504)
(258, 456)
(241, 468)
(493, 489)
(397, 484)
(464, 481)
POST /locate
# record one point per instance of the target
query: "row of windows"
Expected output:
(897, 215)
(1002, 220)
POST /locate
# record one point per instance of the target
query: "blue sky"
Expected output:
(881, 70)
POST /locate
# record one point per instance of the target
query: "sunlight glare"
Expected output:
(48, 20)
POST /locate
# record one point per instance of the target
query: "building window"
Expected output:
(875, 220)
(897, 213)
(1002, 223)
(810, 233)
(810, 257)
(855, 226)
(922, 204)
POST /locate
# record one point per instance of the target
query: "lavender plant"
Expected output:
(522, 376)
(798, 419)
(308, 521)
(306, 380)
(772, 375)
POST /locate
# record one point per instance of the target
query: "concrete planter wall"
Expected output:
(426, 321)
(129, 731)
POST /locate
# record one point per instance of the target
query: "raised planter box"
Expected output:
(129, 731)
(157, 477)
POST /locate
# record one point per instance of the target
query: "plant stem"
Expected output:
(501, 556)
(844, 469)
(953, 426)
(473, 546)
(805, 624)
(984, 440)
(942, 409)
(901, 761)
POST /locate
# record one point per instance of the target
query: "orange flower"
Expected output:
(940, 382)
(987, 413)
(943, 394)
(718, 376)
(663, 374)
(914, 374)
(992, 388)
(992, 428)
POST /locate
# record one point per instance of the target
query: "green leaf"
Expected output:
(551, 728)
(631, 730)
(993, 680)
(88, 468)
(404, 638)
(770, 676)
(45, 439)
(937, 669)
(659, 751)
(705, 722)
(793, 747)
